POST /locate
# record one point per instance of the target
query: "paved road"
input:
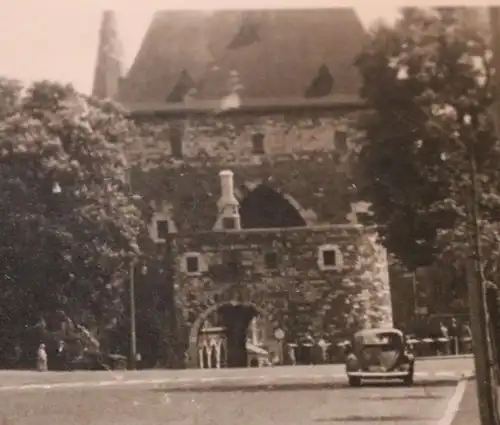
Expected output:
(435, 368)
(151, 404)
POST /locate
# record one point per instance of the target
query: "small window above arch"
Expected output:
(330, 257)
(193, 264)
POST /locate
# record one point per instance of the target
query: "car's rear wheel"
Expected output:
(408, 379)
(354, 381)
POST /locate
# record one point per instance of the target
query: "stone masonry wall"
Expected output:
(298, 297)
(307, 158)
(303, 160)
(227, 139)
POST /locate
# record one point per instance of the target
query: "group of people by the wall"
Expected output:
(440, 336)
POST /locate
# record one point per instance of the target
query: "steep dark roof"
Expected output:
(276, 54)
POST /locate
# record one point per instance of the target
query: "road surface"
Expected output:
(182, 404)
(434, 368)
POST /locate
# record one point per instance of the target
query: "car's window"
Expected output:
(381, 340)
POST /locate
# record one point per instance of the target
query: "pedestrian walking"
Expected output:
(454, 336)
(466, 338)
(62, 356)
(41, 361)
(445, 337)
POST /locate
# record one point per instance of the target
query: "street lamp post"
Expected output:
(482, 344)
(415, 294)
(133, 332)
(479, 324)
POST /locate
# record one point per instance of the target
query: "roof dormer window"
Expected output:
(322, 84)
(182, 88)
(246, 36)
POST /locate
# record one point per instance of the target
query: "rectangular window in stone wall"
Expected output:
(329, 258)
(271, 260)
(175, 138)
(258, 144)
(192, 264)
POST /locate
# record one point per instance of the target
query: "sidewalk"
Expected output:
(468, 412)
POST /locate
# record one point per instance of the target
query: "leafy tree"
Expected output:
(427, 82)
(69, 222)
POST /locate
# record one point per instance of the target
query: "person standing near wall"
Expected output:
(41, 361)
(466, 338)
(444, 335)
(454, 335)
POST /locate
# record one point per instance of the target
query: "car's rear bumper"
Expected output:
(379, 375)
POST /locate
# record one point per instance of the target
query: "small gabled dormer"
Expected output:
(161, 224)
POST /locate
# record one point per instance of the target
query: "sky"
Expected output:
(57, 39)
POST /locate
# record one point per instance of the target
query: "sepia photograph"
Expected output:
(264, 213)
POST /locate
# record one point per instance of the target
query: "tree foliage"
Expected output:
(427, 81)
(69, 221)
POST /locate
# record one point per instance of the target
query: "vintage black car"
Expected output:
(379, 354)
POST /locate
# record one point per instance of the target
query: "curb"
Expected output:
(451, 357)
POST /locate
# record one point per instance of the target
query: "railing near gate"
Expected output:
(326, 352)
(428, 347)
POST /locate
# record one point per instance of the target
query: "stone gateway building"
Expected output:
(245, 158)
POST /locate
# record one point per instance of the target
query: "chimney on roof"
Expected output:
(229, 216)
(108, 70)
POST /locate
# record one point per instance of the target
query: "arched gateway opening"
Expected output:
(229, 335)
(265, 208)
